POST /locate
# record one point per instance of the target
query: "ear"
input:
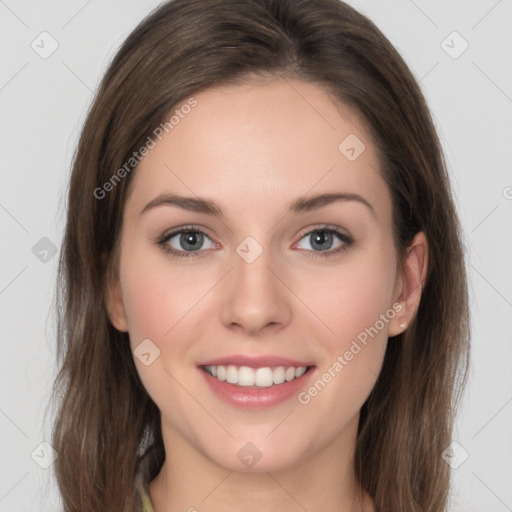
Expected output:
(409, 284)
(115, 304)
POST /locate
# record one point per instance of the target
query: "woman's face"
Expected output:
(262, 283)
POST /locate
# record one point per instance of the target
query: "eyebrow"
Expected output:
(300, 205)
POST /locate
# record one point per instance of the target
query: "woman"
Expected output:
(262, 283)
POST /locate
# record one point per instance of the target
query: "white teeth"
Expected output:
(231, 374)
(300, 371)
(262, 377)
(290, 374)
(246, 376)
(279, 373)
(221, 372)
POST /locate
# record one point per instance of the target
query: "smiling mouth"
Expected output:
(244, 376)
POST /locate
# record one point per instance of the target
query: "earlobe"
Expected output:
(115, 306)
(411, 283)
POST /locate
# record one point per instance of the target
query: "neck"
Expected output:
(188, 481)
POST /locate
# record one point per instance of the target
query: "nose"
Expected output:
(256, 297)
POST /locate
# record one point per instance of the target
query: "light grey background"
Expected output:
(44, 101)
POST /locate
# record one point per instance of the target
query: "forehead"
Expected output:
(264, 144)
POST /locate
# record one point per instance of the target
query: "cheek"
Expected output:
(156, 295)
(356, 307)
(160, 301)
(352, 297)
(354, 303)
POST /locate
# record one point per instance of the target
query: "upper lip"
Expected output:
(255, 361)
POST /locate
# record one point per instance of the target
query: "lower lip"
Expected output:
(256, 397)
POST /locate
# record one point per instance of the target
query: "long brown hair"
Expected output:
(105, 419)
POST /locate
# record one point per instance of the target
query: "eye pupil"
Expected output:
(320, 238)
(191, 240)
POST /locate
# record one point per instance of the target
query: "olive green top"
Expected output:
(142, 480)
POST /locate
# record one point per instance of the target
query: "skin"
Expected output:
(253, 149)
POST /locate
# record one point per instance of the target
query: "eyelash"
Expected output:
(347, 240)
